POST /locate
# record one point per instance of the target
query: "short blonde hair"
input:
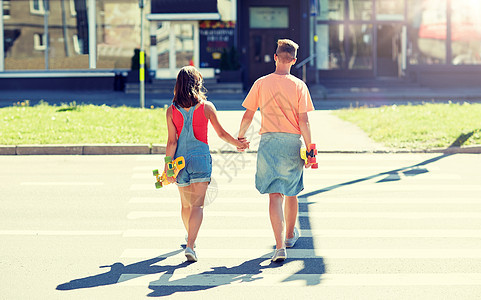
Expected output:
(286, 50)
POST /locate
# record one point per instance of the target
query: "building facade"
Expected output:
(433, 42)
(428, 41)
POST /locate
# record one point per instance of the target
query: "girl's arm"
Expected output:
(171, 138)
(211, 114)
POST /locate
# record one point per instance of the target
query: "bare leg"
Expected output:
(277, 218)
(197, 195)
(290, 214)
(185, 209)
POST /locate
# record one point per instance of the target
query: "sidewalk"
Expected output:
(328, 132)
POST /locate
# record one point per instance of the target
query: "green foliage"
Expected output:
(81, 124)
(425, 126)
(229, 60)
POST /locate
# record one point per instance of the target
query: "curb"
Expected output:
(101, 149)
(94, 149)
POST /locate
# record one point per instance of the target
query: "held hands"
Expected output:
(242, 144)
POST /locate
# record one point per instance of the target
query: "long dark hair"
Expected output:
(189, 89)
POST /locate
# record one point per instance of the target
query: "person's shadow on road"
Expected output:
(118, 269)
(248, 271)
(245, 272)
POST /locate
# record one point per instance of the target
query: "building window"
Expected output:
(466, 32)
(359, 56)
(184, 44)
(332, 10)
(37, 7)
(39, 41)
(73, 11)
(360, 10)
(390, 10)
(268, 17)
(331, 52)
(6, 9)
(76, 44)
(427, 32)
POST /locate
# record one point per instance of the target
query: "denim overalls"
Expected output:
(198, 162)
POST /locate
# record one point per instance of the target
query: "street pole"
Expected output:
(315, 8)
(45, 31)
(142, 56)
(2, 40)
(92, 29)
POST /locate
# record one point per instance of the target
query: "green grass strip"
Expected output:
(418, 127)
(81, 124)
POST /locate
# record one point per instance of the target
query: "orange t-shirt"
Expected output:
(281, 98)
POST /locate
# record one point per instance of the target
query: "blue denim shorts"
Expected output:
(198, 168)
(279, 164)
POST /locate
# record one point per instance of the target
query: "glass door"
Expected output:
(390, 50)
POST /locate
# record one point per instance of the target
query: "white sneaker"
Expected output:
(279, 255)
(190, 254)
(292, 241)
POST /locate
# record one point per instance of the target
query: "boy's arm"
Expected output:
(246, 122)
(305, 132)
(305, 128)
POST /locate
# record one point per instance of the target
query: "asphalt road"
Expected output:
(393, 226)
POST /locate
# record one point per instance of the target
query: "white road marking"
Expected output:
(334, 233)
(59, 183)
(315, 214)
(251, 167)
(61, 232)
(374, 187)
(173, 197)
(282, 280)
(314, 177)
(247, 254)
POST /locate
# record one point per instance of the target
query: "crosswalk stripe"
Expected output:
(245, 279)
(60, 183)
(173, 197)
(411, 158)
(251, 167)
(316, 178)
(398, 186)
(317, 233)
(315, 214)
(61, 232)
(310, 253)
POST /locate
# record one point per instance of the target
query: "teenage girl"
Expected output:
(187, 123)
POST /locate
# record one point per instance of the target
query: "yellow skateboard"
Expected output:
(309, 155)
(173, 169)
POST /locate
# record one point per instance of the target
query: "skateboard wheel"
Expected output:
(158, 185)
(312, 160)
(170, 173)
(168, 159)
(312, 146)
(156, 172)
(315, 166)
